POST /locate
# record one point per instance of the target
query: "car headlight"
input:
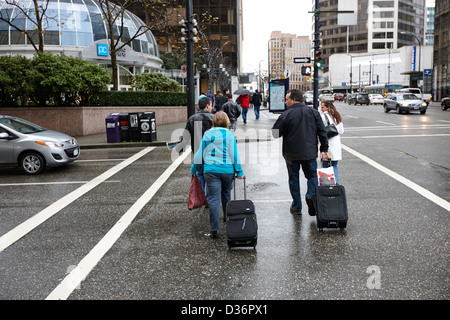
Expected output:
(405, 104)
(424, 104)
(50, 144)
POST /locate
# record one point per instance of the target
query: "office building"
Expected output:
(283, 48)
(380, 25)
(441, 52)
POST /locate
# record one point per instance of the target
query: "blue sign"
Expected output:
(427, 72)
(102, 49)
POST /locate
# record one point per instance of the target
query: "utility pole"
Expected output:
(190, 59)
(317, 53)
(316, 50)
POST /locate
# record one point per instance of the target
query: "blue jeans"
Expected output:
(326, 164)
(257, 111)
(309, 168)
(244, 114)
(219, 189)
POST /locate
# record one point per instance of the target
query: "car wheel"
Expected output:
(423, 112)
(386, 110)
(443, 107)
(32, 163)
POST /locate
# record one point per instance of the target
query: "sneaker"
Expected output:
(311, 208)
(213, 234)
(297, 212)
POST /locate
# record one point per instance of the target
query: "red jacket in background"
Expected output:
(245, 101)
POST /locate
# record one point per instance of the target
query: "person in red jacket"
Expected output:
(245, 103)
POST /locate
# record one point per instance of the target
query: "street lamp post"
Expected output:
(190, 59)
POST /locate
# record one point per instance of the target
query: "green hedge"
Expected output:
(50, 79)
(141, 98)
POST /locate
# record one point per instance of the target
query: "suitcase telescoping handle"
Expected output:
(245, 188)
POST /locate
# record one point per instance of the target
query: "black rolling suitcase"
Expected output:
(331, 206)
(241, 224)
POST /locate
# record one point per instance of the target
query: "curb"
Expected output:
(123, 145)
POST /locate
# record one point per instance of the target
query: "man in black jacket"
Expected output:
(301, 126)
(196, 126)
(256, 100)
(233, 111)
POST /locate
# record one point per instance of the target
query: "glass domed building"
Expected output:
(76, 28)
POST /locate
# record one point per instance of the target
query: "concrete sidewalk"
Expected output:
(163, 134)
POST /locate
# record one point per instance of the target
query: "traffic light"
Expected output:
(318, 59)
(306, 71)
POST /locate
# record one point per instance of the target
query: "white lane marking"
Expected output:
(349, 116)
(99, 160)
(397, 127)
(47, 183)
(21, 230)
(444, 121)
(420, 190)
(397, 136)
(389, 123)
(82, 270)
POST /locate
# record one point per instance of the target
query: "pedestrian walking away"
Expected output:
(233, 111)
(195, 128)
(301, 127)
(256, 100)
(223, 99)
(220, 158)
(210, 95)
(245, 104)
(329, 115)
(217, 99)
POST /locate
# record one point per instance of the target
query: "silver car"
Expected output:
(33, 147)
(404, 102)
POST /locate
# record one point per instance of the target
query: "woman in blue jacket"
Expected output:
(220, 159)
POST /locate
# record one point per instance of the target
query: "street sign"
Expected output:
(184, 69)
(427, 72)
(302, 60)
(287, 73)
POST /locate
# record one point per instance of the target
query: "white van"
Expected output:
(424, 96)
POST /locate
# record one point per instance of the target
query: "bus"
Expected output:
(382, 88)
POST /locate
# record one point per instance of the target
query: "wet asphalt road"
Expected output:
(396, 244)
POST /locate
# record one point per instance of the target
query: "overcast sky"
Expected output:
(261, 17)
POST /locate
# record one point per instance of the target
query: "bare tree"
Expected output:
(15, 15)
(114, 15)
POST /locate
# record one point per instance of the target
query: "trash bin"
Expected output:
(124, 123)
(135, 132)
(112, 128)
(147, 124)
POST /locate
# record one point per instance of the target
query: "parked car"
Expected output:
(326, 96)
(339, 96)
(445, 103)
(361, 98)
(404, 102)
(32, 147)
(308, 98)
(376, 98)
